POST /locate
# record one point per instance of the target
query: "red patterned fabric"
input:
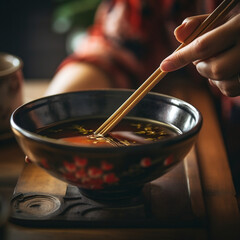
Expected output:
(130, 38)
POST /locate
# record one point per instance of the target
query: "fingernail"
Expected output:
(167, 65)
(201, 66)
(185, 20)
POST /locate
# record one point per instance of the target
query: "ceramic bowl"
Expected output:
(105, 172)
(11, 82)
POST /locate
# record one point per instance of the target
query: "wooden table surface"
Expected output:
(208, 175)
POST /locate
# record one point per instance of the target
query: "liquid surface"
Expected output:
(129, 131)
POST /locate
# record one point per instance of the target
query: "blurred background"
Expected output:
(42, 32)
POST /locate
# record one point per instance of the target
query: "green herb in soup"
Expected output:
(130, 131)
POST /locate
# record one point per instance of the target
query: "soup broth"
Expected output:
(130, 131)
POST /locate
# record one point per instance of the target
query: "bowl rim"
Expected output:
(55, 142)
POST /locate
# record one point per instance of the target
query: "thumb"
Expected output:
(187, 27)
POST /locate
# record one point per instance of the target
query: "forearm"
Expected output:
(78, 76)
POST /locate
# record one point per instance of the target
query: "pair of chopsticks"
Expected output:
(209, 23)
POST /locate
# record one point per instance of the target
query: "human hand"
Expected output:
(216, 54)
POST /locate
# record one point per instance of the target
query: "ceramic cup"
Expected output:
(11, 82)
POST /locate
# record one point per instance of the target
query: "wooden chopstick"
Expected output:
(210, 22)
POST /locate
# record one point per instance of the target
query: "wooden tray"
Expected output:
(174, 199)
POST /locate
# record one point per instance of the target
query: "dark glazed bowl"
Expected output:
(105, 172)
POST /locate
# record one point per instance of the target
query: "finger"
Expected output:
(229, 87)
(187, 27)
(203, 47)
(223, 66)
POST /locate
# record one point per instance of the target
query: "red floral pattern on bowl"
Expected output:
(79, 172)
